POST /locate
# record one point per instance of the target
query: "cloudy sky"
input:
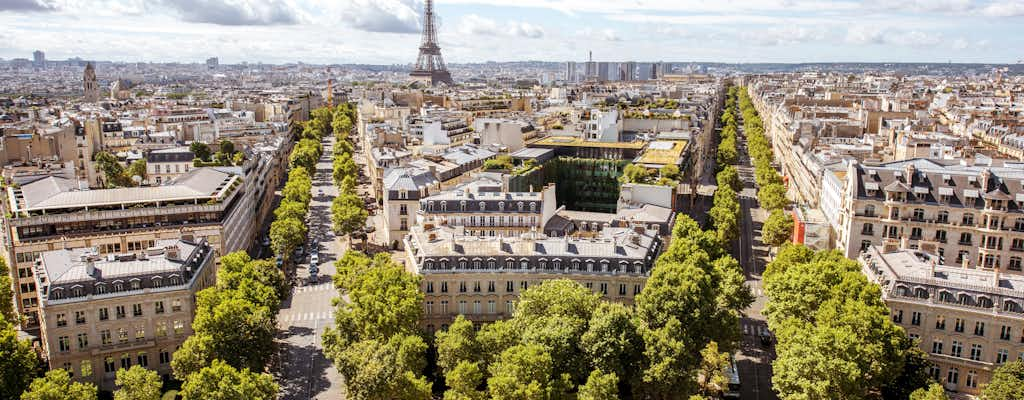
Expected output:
(387, 31)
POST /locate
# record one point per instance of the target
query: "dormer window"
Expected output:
(501, 206)
(430, 206)
(403, 194)
(462, 206)
(483, 206)
(444, 206)
(533, 207)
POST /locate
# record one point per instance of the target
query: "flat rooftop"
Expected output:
(663, 152)
(572, 141)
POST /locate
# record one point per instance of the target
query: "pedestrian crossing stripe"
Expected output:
(311, 316)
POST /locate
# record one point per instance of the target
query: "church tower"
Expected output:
(91, 88)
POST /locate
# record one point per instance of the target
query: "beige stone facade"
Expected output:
(969, 321)
(137, 311)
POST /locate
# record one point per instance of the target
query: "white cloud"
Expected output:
(234, 12)
(385, 16)
(610, 35)
(960, 44)
(870, 35)
(472, 24)
(786, 35)
(27, 5)
(1004, 9)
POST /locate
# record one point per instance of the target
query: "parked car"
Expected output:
(766, 337)
(314, 259)
(314, 279)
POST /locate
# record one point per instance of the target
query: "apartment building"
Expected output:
(969, 321)
(481, 277)
(970, 215)
(166, 164)
(54, 213)
(103, 313)
(483, 208)
(403, 189)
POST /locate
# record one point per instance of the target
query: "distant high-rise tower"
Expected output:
(212, 62)
(39, 58)
(570, 72)
(590, 69)
(91, 88)
(429, 65)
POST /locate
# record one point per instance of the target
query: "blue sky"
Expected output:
(386, 31)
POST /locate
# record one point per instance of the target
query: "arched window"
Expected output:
(638, 267)
(946, 297)
(136, 284)
(158, 281)
(510, 263)
(463, 263)
(964, 299)
(76, 291)
(921, 293)
(519, 205)
(444, 263)
(542, 264)
(57, 293)
(444, 206)
(430, 206)
(556, 264)
(100, 288)
(590, 265)
(501, 206)
(1012, 306)
(902, 290)
(428, 265)
(533, 207)
(524, 263)
(623, 266)
(575, 264)
(985, 302)
(476, 263)
(483, 206)
(462, 206)
(118, 286)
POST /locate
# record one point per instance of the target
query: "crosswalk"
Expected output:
(753, 329)
(315, 288)
(310, 316)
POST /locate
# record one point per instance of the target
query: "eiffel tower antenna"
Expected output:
(430, 65)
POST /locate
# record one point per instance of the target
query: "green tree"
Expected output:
(384, 369)
(137, 383)
(457, 344)
(1007, 382)
(348, 214)
(221, 381)
(777, 229)
(713, 371)
(600, 386)
(612, 342)
(200, 150)
(495, 338)
(730, 177)
(772, 197)
(298, 186)
(57, 385)
(137, 168)
(238, 158)
(670, 172)
(343, 166)
(227, 147)
(463, 381)
(7, 312)
(727, 153)
(521, 372)
(18, 362)
(227, 328)
(290, 209)
(633, 173)
(112, 170)
(933, 392)
(555, 315)
(286, 235)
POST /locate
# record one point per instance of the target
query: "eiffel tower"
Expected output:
(429, 65)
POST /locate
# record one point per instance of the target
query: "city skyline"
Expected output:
(387, 32)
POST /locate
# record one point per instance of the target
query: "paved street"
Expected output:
(304, 371)
(754, 360)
